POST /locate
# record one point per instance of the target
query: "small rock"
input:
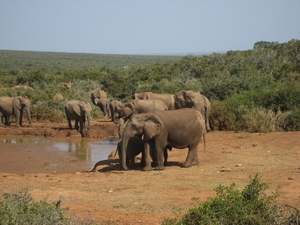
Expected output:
(291, 178)
(254, 144)
(238, 165)
(225, 170)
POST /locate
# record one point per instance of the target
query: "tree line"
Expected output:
(256, 90)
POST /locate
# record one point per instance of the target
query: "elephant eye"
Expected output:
(133, 126)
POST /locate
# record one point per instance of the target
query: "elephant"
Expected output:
(192, 99)
(182, 128)
(80, 112)
(116, 110)
(14, 106)
(125, 110)
(135, 146)
(103, 104)
(168, 99)
(98, 93)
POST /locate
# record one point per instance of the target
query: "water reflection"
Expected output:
(14, 139)
(84, 149)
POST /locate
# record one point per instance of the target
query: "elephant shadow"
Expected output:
(114, 166)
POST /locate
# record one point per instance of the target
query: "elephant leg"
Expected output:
(160, 157)
(147, 156)
(76, 125)
(196, 158)
(192, 157)
(166, 156)
(81, 128)
(1, 121)
(7, 120)
(69, 123)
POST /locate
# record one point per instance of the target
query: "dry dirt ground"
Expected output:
(136, 197)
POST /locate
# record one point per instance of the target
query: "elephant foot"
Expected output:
(195, 162)
(124, 168)
(186, 165)
(159, 168)
(146, 168)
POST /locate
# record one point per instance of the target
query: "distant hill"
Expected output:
(59, 60)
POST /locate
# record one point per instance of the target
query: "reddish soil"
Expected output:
(136, 197)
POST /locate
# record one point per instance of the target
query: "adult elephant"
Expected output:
(103, 104)
(98, 93)
(182, 128)
(80, 112)
(14, 106)
(168, 99)
(195, 100)
(125, 110)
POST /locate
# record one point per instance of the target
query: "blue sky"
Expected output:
(145, 26)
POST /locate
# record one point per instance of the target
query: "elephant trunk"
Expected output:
(93, 99)
(123, 151)
(29, 115)
(115, 118)
(88, 117)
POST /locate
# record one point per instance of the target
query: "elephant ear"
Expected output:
(17, 102)
(127, 110)
(77, 108)
(153, 126)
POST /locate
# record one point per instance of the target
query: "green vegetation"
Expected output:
(247, 207)
(256, 90)
(20, 208)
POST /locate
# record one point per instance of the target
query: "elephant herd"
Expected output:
(152, 124)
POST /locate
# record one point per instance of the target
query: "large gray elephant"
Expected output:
(182, 128)
(192, 99)
(125, 110)
(98, 93)
(80, 112)
(14, 106)
(103, 104)
(168, 99)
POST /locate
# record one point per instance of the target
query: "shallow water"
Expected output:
(84, 149)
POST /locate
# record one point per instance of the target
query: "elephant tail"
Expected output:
(204, 142)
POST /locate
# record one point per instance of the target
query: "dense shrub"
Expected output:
(250, 206)
(20, 208)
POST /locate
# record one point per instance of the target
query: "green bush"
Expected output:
(251, 206)
(20, 208)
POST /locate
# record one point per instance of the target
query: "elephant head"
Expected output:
(83, 109)
(98, 93)
(20, 104)
(195, 100)
(103, 104)
(146, 125)
(180, 101)
(116, 109)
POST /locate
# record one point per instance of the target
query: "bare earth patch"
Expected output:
(136, 197)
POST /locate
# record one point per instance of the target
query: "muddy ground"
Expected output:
(136, 197)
